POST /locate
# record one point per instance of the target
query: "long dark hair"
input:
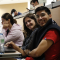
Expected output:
(7, 16)
(26, 30)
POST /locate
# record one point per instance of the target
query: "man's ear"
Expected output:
(50, 15)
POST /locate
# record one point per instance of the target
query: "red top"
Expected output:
(29, 58)
(53, 52)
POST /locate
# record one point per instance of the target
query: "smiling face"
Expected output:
(42, 17)
(30, 23)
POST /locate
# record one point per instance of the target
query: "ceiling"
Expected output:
(12, 1)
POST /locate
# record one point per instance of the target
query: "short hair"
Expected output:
(33, 1)
(13, 10)
(41, 8)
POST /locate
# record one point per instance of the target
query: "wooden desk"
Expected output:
(10, 56)
(7, 59)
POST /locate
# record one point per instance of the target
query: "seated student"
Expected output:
(34, 3)
(30, 27)
(47, 37)
(11, 30)
(15, 13)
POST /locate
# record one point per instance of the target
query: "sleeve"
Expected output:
(24, 47)
(4, 32)
(25, 43)
(52, 35)
(14, 35)
(19, 13)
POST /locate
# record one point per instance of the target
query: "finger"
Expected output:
(7, 43)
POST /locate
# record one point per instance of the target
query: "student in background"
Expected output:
(15, 13)
(11, 30)
(34, 3)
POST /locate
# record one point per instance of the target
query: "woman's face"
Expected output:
(30, 23)
(5, 23)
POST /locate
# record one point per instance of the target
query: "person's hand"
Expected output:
(5, 24)
(27, 51)
(11, 44)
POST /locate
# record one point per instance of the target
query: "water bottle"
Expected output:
(1, 43)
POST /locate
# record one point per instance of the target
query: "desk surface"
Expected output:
(10, 55)
(8, 59)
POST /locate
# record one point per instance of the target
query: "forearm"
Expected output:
(33, 53)
(42, 47)
(22, 51)
(19, 49)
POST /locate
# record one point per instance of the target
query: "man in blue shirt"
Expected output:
(15, 13)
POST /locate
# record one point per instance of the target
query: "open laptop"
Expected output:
(8, 50)
(5, 49)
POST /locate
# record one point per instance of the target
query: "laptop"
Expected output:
(5, 49)
(8, 50)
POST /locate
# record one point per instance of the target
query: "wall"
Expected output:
(21, 7)
(38, 5)
(56, 15)
(20, 21)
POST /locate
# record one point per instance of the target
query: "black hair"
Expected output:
(41, 8)
(7, 16)
(33, 1)
(26, 30)
(13, 10)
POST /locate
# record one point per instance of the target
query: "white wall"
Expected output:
(49, 1)
(0, 25)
